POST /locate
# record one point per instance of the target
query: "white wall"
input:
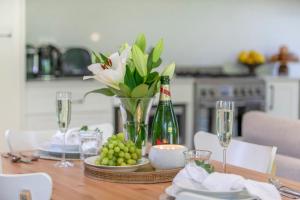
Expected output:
(12, 55)
(196, 32)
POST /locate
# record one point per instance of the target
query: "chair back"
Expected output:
(39, 185)
(264, 129)
(106, 129)
(247, 155)
(25, 140)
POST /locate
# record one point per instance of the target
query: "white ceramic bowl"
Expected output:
(167, 156)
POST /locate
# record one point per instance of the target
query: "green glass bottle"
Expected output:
(165, 126)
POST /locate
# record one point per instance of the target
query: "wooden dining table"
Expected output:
(71, 183)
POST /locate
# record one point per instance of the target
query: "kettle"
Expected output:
(49, 61)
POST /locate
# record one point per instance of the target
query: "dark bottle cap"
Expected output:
(165, 79)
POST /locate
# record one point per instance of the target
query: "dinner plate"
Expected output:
(58, 149)
(131, 168)
(174, 190)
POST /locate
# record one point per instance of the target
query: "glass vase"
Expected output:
(135, 117)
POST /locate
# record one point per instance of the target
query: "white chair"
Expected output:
(39, 185)
(247, 155)
(25, 140)
(106, 128)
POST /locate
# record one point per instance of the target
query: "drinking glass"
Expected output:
(63, 111)
(224, 125)
(198, 157)
(90, 143)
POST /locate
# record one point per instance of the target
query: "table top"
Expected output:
(72, 184)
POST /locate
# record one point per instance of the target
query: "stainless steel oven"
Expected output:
(248, 93)
(180, 112)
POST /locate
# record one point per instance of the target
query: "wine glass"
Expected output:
(224, 125)
(63, 111)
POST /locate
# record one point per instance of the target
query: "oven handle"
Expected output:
(271, 106)
(209, 104)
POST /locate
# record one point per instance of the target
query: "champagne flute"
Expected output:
(63, 111)
(224, 125)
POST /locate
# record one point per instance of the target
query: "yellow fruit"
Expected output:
(243, 56)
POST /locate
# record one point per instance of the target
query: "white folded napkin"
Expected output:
(72, 137)
(192, 176)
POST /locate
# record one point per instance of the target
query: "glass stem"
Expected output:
(64, 148)
(224, 160)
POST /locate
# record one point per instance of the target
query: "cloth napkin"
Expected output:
(221, 182)
(72, 137)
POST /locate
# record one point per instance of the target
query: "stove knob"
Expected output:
(250, 92)
(243, 92)
(212, 93)
(258, 92)
(235, 92)
(203, 93)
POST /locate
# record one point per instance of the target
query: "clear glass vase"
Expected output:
(135, 116)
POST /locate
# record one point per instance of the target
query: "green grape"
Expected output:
(121, 154)
(127, 156)
(110, 156)
(121, 145)
(125, 149)
(104, 150)
(134, 156)
(132, 149)
(120, 160)
(110, 152)
(138, 152)
(123, 164)
(131, 162)
(104, 161)
(113, 137)
(117, 149)
(111, 146)
(121, 136)
(110, 163)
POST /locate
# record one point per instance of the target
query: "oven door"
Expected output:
(179, 110)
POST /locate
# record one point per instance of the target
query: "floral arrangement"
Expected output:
(130, 72)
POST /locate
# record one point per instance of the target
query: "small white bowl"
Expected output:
(167, 156)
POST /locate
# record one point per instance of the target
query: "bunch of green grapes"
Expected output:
(118, 152)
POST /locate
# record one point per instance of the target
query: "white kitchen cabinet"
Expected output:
(40, 111)
(282, 97)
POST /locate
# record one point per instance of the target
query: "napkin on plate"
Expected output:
(192, 176)
(72, 137)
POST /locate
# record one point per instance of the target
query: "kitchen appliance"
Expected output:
(75, 62)
(248, 93)
(32, 59)
(179, 110)
(49, 61)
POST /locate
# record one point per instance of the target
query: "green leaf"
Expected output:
(139, 60)
(141, 42)
(129, 78)
(138, 79)
(140, 91)
(169, 70)
(96, 57)
(150, 64)
(152, 89)
(158, 50)
(105, 59)
(125, 89)
(104, 91)
(153, 76)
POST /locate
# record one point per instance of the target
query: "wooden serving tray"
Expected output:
(146, 174)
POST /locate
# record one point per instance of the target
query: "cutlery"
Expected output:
(284, 191)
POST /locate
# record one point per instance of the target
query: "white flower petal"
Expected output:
(95, 68)
(115, 60)
(125, 53)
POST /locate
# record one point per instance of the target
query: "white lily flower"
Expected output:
(113, 74)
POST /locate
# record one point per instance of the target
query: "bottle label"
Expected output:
(165, 94)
